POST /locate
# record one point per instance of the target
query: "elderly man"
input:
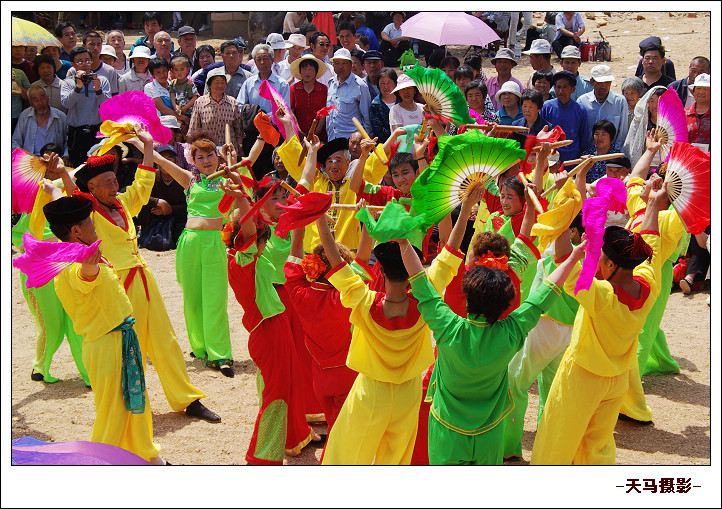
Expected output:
(45, 66)
(540, 57)
(163, 45)
(82, 97)
(40, 124)
(503, 63)
(187, 42)
(249, 94)
(279, 47)
(350, 95)
(297, 46)
(65, 33)
(602, 103)
(359, 21)
(567, 114)
(320, 45)
(697, 66)
(571, 60)
(373, 64)
(94, 43)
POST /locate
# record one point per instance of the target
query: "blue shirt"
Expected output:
(506, 119)
(583, 86)
(82, 108)
(26, 131)
(351, 98)
(613, 108)
(599, 169)
(248, 94)
(373, 41)
(533, 129)
(64, 68)
(572, 118)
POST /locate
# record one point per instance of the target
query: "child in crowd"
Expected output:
(182, 91)
(159, 88)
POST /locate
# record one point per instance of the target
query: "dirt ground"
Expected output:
(680, 403)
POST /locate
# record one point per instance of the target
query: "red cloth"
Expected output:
(420, 456)
(699, 127)
(493, 203)
(306, 210)
(331, 386)
(324, 23)
(455, 298)
(305, 105)
(243, 283)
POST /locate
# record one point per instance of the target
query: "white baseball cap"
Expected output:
(601, 73)
(276, 41)
(342, 54)
(571, 51)
(702, 80)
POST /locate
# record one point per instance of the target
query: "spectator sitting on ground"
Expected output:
(138, 77)
(359, 21)
(292, 22)
(48, 81)
(394, 43)
(570, 27)
(40, 124)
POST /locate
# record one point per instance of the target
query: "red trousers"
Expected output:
(281, 422)
(420, 455)
(331, 386)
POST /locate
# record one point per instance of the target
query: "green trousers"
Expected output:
(652, 351)
(448, 447)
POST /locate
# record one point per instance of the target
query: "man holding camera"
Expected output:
(82, 94)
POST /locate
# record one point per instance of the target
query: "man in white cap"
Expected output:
(503, 63)
(295, 50)
(279, 47)
(249, 93)
(350, 95)
(602, 103)
(571, 60)
(540, 57)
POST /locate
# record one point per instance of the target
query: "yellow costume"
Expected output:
(577, 425)
(96, 307)
(347, 229)
(155, 332)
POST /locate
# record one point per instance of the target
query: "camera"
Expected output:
(88, 77)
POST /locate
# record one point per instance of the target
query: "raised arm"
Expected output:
(256, 150)
(457, 233)
(297, 242)
(411, 260)
(329, 244)
(309, 170)
(144, 142)
(248, 227)
(643, 163)
(656, 197)
(367, 145)
(419, 151)
(529, 213)
(561, 273)
(563, 245)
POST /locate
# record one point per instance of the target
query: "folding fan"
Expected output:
(462, 161)
(671, 122)
(442, 96)
(43, 260)
(688, 185)
(121, 113)
(269, 92)
(27, 174)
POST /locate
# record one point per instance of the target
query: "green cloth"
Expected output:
(469, 387)
(132, 376)
(507, 231)
(406, 142)
(564, 309)
(267, 300)
(276, 252)
(394, 223)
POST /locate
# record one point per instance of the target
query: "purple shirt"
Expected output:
(493, 86)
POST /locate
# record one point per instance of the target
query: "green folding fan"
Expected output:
(463, 161)
(441, 94)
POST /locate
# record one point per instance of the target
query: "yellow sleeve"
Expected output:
(596, 299)
(634, 189)
(651, 271)
(353, 290)
(374, 169)
(289, 152)
(138, 194)
(443, 269)
(77, 283)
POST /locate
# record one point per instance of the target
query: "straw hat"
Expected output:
(295, 66)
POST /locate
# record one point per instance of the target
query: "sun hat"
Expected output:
(404, 81)
(186, 30)
(276, 41)
(297, 40)
(601, 73)
(571, 51)
(342, 54)
(539, 47)
(140, 51)
(702, 80)
(170, 122)
(372, 54)
(109, 50)
(296, 66)
(506, 54)
(508, 86)
(93, 151)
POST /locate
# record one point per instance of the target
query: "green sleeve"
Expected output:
(246, 256)
(524, 318)
(520, 258)
(370, 188)
(492, 187)
(436, 313)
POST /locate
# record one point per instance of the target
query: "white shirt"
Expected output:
(402, 117)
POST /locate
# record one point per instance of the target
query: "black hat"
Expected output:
(646, 42)
(329, 148)
(625, 248)
(94, 166)
(565, 74)
(372, 54)
(624, 162)
(185, 30)
(388, 254)
(68, 210)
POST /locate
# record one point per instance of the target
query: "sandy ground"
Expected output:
(680, 434)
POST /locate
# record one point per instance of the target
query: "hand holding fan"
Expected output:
(269, 92)
(688, 185)
(42, 260)
(671, 122)
(442, 96)
(123, 112)
(462, 162)
(28, 172)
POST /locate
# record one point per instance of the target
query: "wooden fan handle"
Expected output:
(378, 149)
(594, 159)
(288, 188)
(556, 144)
(532, 195)
(309, 135)
(572, 173)
(499, 127)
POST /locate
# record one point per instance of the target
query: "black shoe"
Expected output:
(623, 417)
(198, 409)
(226, 370)
(192, 354)
(36, 377)
(319, 443)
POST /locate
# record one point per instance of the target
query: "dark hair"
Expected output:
(183, 58)
(314, 37)
(464, 71)
(345, 253)
(449, 60)
(388, 254)
(654, 47)
(51, 147)
(307, 27)
(156, 63)
(62, 26)
(91, 34)
(533, 95)
(62, 231)
(476, 84)
(577, 223)
(542, 74)
(308, 62)
(358, 53)
(473, 60)
(148, 16)
(261, 191)
(657, 93)
(77, 51)
(490, 241)
(43, 59)
(363, 38)
(488, 292)
(403, 158)
(263, 233)
(389, 72)
(436, 57)
(515, 185)
(233, 43)
(208, 48)
(346, 25)
(705, 61)
(550, 17)
(604, 125)
(571, 81)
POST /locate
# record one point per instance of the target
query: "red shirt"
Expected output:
(305, 105)
(699, 127)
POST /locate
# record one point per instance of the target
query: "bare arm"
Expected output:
(297, 242)
(457, 233)
(529, 214)
(329, 244)
(150, 156)
(309, 170)
(411, 259)
(367, 145)
(165, 110)
(445, 230)
(641, 169)
(256, 150)
(561, 273)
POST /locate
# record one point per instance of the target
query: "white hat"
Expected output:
(218, 71)
(109, 50)
(170, 121)
(297, 40)
(508, 86)
(601, 73)
(404, 81)
(296, 66)
(140, 51)
(539, 47)
(571, 51)
(702, 80)
(276, 41)
(342, 54)
(93, 151)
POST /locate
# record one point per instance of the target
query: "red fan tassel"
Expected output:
(430, 147)
(323, 112)
(462, 129)
(392, 151)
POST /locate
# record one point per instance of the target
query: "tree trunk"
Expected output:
(260, 24)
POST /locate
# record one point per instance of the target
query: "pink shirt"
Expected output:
(493, 86)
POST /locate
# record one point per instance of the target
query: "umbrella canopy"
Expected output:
(443, 28)
(30, 451)
(27, 33)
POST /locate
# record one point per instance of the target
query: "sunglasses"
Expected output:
(324, 44)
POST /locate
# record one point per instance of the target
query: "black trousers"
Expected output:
(561, 43)
(391, 55)
(80, 139)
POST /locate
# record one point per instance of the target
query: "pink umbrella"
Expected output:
(442, 28)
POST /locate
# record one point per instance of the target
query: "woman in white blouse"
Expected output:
(408, 111)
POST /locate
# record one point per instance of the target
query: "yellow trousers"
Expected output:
(113, 424)
(377, 424)
(158, 341)
(634, 404)
(577, 425)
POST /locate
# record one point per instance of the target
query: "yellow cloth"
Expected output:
(347, 228)
(549, 225)
(604, 340)
(377, 424)
(443, 269)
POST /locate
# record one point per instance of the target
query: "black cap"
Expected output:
(646, 42)
(331, 147)
(372, 54)
(68, 210)
(94, 166)
(625, 248)
(624, 162)
(185, 30)
(565, 74)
